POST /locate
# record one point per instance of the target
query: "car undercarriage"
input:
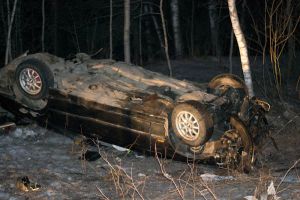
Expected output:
(136, 108)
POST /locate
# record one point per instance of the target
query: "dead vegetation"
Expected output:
(190, 182)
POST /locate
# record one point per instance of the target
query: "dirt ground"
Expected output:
(52, 159)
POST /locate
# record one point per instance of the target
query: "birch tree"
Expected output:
(176, 27)
(127, 31)
(242, 46)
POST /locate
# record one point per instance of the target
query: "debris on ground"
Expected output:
(90, 156)
(24, 184)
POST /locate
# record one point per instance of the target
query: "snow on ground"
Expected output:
(52, 160)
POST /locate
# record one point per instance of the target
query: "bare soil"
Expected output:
(52, 159)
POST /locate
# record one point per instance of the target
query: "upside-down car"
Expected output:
(132, 107)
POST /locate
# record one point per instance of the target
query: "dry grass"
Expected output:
(186, 184)
(124, 183)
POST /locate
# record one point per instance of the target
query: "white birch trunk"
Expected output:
(176, 27)
(43, 26)
(110, 30)
(242, 46)
(8, 40)
(127, 31)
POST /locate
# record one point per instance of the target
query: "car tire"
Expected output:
(33, 78)
(240, 145)
(192, 125)
(219, 84)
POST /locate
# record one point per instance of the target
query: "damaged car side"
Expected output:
(132, 107)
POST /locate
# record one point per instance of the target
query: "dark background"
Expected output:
(73, 26)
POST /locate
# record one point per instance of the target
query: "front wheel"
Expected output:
(33, 79)
(237, 149)
(191, 125)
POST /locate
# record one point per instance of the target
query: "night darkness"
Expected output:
(83, 25)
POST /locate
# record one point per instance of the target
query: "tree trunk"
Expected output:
(230, 52)
(148, 36)
(140, 35)
(127, 31)
(156, 26)
(176, 28)
(19, 48)
(54, 29)
(166, 46)
(110, 29)
(291, 40)
(8, 41)
(43, 26)
(192, 28)
(214, 29)
(242, 46)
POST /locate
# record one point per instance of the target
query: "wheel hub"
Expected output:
(187, 125)
(30, 81)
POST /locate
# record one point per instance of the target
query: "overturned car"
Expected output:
(136, 108)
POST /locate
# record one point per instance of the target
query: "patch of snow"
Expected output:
(122, 149)
(291, 179)
(212, 177)
(141, 175)
(50, 192)
(24, 133)
(56, 185)
(250, 198)
(4, 195)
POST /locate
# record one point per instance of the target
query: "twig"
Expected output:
(287, 172)
(166, 175)
(118, 172)
(195, 188)
(102, 194)
(282, 128)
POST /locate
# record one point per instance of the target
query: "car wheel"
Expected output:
(191, 125)
(238, 150)
(219, 84)
(32, 81)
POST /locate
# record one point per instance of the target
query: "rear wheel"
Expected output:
(234, 88)
(221, 83)
(32, 81)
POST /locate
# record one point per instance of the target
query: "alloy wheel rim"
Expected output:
(30, 81)
(187, 125)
